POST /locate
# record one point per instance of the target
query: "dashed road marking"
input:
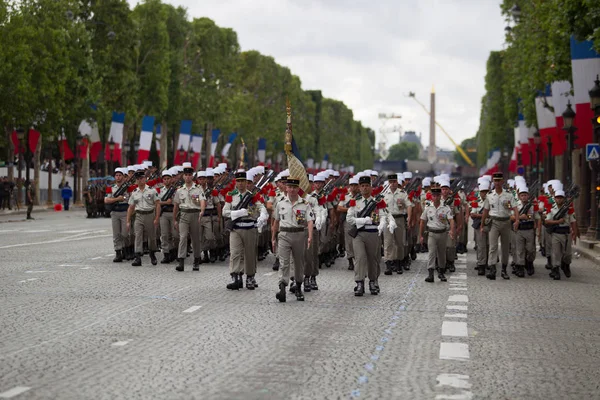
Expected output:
(121, 343)
(14, 392)
(454, 328)
(457, 315)
(36, 272)
(86, 268)
(29, 280)
(454, 351)
(96, 258)
(458, 308)
(67, 239)
(458, 288)
(269, 273)
(458, 381)
(461, 298)
(461, 396)
(192, 309)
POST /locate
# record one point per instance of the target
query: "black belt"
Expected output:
(167, 208)
(292, 230)
(210, 212)
(144, 212)
(399, 215)
(120, 208)
(189, 210)
(499, 218)
(562, 230)
(436, 230)
(526, 226)
(244, 224)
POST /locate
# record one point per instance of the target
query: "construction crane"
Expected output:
(457, 146)
(383, 131)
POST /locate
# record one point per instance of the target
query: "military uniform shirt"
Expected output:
(397, 202)
(499, 205)
(254, 209)
(376, 215)
(437, 218)
(293, 215)
(144, 200)
(189, 198)
(568, 217)
(531, 213)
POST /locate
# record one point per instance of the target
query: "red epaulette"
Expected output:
(536, 206)
(224, 192)
(343, 196)
(474, 204)
(381, 204)
(571, 210)
(157, 190)
(377, 190)
(214, 193)
(429, 196)
(228, 199)
(301, 192)
(322, 200)
(108, 190)
(352, 203)
(272, 193)
(257, 198)
(131, 188)
(264, 191)
(456, 202)
(152, 182)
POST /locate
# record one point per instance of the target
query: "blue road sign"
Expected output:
(592, 152)
(520, 170)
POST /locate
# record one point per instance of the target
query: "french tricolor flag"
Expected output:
(546, 120)
(585, 64)
(262, 151)
(196, 147)
(145, 139)
(324, 162)
(63, 147)
(561, 95)
(116, 133)
(213, 146)
(225, 150)
(157, 139)
(185, 135)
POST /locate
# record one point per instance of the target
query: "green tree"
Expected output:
(470, 147)
(403, 151)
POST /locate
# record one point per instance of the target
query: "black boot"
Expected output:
(413, 253)
(313, 283)
(233, 285)
(441, 275)
(213, 256)
(377, 287)
(351, 264)
(555, 274)
(307, 286)
(481, 270)
(372, 288)
(292, 285)
(430, 277)
(138, 260)
(254, 281)
(520, 272)
(388, 267)
(491, 275)
(451, 266)
(360, 288)
(530, 268)
(153, 259)
(406, 264)
(549, 263)
(197, 262)
(566, 269)
(119, 256)
(205, 259)
(179, 266)
(260, 253)
(281, 294)
(276, 264)
(298, 293)
(166, 258)
(173, 254)
(504, 274)
(250, 282)
(399, 266)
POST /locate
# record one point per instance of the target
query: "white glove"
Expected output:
(392, 225)
(381, 227)
(360, 222)
(235, 214)
(319, 223)
(260, 222)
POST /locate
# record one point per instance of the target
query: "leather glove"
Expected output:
(235, 214)
(360, 222)
(392, 225)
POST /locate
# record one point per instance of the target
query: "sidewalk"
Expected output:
(36, 209)
(588, 249)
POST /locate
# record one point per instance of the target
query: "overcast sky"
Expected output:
(370, 54)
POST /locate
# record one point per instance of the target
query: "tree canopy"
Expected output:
(403, 151)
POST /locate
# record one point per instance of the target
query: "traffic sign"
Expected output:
(520, 170)
(592, 152)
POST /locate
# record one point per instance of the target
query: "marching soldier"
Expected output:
(481, 236)
(311, 259)
(244, 234)
(425, 199)
(454, 204)
(564, 229)
(366, 244)
(118, 214)
(353, 193)
(211, 217)
(499, 205)
(394, 241)
(292, 215)
(528, 219)
(189, 205)
(144, 201)
(439, 219)
(274, 197)
(169, 236)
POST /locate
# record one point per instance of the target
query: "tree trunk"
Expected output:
(85, 170)
(164, 145)
(50, 201)
(36, 169)
(11, 153)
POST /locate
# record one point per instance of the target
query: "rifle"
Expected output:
(454, 187)
(413, 184)
(170, 193)
(379, 180)
(120, 192)
(367, 210)
(219, 185)
(248, 196)
(573, 193)
(533, 189)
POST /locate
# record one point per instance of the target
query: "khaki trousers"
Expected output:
(393, 243)
(291, 245)
(189, 227)
(207, 232)
(119, 229)
(367, 254)
(243, 244)
(437, 249)
(483, 245)
(499, 229)
(525, 246)
(311, 256)
(169, 237)
(144, 227)
(547, 242)
(348, 241)
(561, 249)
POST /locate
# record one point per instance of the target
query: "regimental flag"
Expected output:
(585, 64)
(310, 163)
(33, 137)
(63, 147)
(213, 146)
(157, 139)
(116, 133)
(225, 149)
(196, 146)
(561, 95)
(185, 135)
(261, 153)
(294, 164)
(91, 130)
(546, 121)
(145, 138)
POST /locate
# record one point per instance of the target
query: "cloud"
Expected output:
(370, 54)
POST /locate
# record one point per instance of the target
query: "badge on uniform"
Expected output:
(507, 204)
(442, 217)
(300, 216)
(400, 203)
(375, 217)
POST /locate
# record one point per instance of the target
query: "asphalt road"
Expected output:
(74, 325)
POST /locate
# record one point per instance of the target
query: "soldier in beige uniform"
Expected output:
(211, 217)
(399, 208)
(353, 193)
(439, 219)
(481, 236)
(189, 208)
(311, 266)
(244, 234)
(366, 244)
(499, 205)
(118, 214)
(529, 219)
(292, 215)
(144, 201)
(564, 229)
(169, 236)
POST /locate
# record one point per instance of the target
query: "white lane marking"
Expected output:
(109, 255)
(459, 298)
(14, 392)
(36, 272)
(53, 241)
(96, 258)
(121, 343)
(458, 288)
(454, 351)
(86, 268)
(268, 274)
(458, 283)
(79, 231)
(465, 395)
(192, 309)
(71, 265)
(459, 266)
(38, 231)
(461, 276)
(457, 315)
(29, 280)
(458, 308)
(454, 328)
(457, 381)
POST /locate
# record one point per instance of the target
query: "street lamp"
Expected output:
(516, 12)
(111, 149)
(594, 229)
(76, 186)
(549, 159)
(21, 139)
(537, 140)
(568, 118)
(531, 144)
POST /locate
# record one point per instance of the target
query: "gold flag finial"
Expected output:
(288, 132)
(242, 156)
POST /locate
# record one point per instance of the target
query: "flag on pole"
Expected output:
(545, 118)
(324, 162)
(157, 139)
(197, 149)
(560, 97)
(63, 147)
(585, 64)
(213, 146)
(185, 135)
(261, 152)
(227, 146)
(91, 130)
(145, 139)
(116, 133)
(295, 165)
